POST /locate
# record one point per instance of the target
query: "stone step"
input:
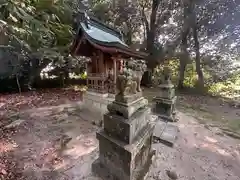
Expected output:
(165, 133)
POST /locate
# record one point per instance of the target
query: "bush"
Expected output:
(229, 88)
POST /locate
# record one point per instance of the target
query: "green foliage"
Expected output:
(38, 30)
(39, 25)
(229, 88)
(83, 76)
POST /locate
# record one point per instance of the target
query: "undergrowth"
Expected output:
(228, 88)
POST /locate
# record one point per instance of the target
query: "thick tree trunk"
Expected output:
(200, 82)
(147, 78)
(151, 33)
(129, 38)
(187, 25)
(181, 74)
(184, 58)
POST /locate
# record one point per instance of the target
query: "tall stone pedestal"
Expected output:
(165, 103)
(125, 143)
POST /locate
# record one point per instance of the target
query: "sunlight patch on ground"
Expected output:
(216, 149)
(7, 146)
(61, 165)
(2, 104)
(77, 148)
(81, 147)
(211, 140)
(181, 126)
(223, 152)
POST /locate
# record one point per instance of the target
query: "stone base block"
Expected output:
(128, 99)
(103, 172)
(165, 109)
(95, 106)
(165, 100)
(126, 129)
(127, 110)
(123, 161)
(166, 91)
(96, 100)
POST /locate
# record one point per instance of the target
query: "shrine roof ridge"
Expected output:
(96, 22)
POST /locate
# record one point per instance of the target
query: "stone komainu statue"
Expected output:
(129, 80)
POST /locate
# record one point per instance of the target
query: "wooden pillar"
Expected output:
(121, 65)
(115, 69)
(101, 61)
(96, 63)
(78, 46)
(86, 66)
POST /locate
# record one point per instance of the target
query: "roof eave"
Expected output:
(118, 47)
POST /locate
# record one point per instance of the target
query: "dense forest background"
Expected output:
(198, 39)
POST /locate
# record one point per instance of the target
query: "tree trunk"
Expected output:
(147, 78)
(184, 58)
(200, 82)
(66, 71)
(181, 74)
(36, 68)
(151, 33)
(129, 39)
(18, 84)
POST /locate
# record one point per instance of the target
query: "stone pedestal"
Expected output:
(97, 100)
(125, 143)
(165, 103)
(95, 106)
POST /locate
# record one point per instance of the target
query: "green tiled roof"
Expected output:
(99, 34)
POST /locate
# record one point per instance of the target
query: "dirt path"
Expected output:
(33, 151)
(207, 110)
(199, 154)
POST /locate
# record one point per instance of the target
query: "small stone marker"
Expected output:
(125, 143)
